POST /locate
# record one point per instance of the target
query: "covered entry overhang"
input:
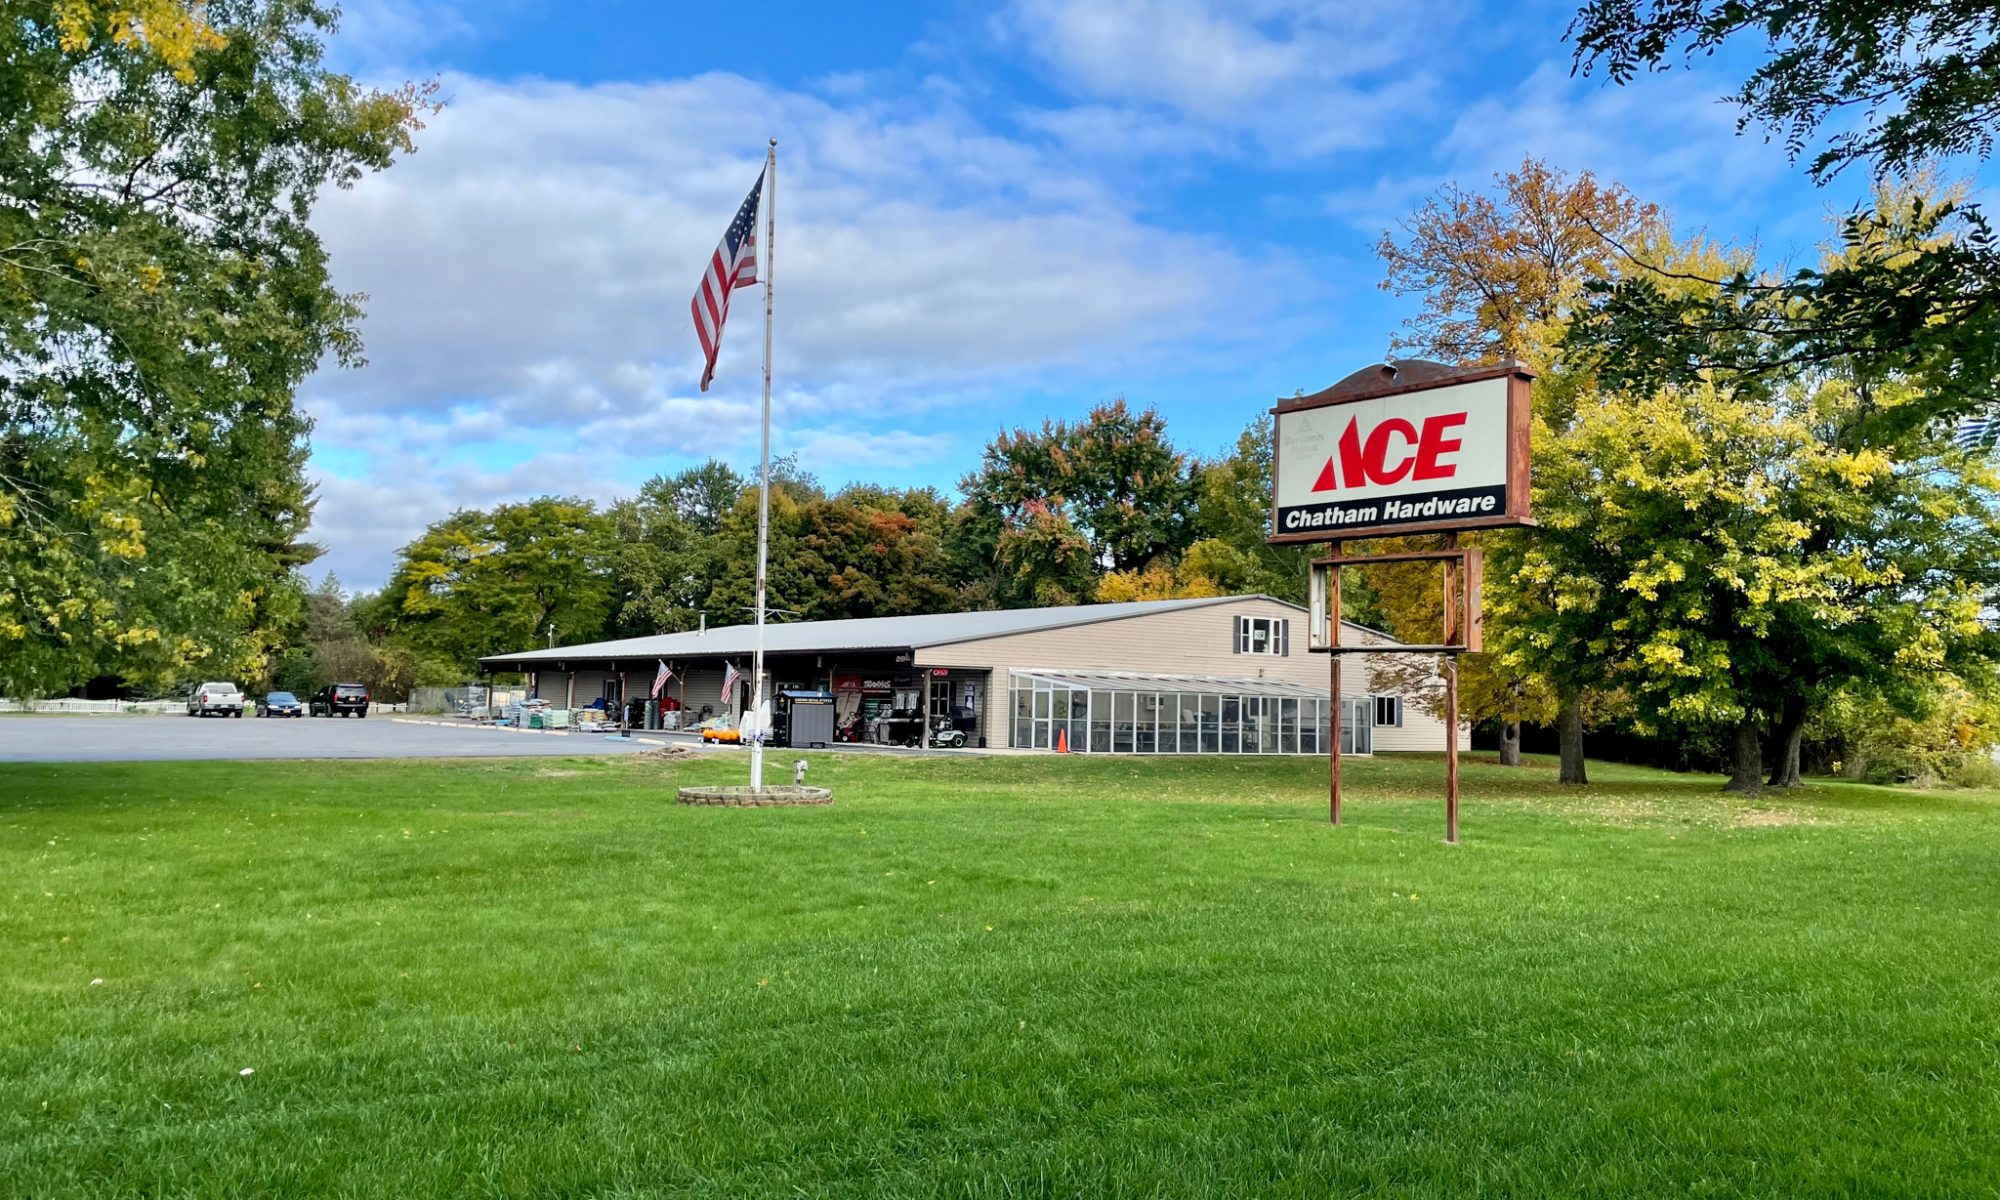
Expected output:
(1112, 712)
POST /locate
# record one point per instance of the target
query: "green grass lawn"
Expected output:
(999, 977)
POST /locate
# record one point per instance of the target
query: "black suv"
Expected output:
(341, 698)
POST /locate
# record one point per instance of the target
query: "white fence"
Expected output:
(75, 707)
(143, 707)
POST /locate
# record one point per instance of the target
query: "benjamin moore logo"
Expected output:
(1394, 450)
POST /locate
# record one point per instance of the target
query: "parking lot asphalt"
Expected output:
(150, 738)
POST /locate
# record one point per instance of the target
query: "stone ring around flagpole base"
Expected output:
(783, 795)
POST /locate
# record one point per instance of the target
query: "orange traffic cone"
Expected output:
(1062, 741)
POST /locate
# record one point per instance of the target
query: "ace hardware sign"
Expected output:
(1402, 448)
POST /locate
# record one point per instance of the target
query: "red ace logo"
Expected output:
(1394, 450)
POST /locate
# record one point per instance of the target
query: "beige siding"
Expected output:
(703, 688)
(1194, 641)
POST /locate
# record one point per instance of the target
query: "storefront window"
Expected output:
(1356, 727)
(1121, 723)
(1048, 711)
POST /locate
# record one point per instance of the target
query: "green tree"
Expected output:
(479, 583)
(1763, 540)
(1899, 86)
(1753, 557)
(1498, 273)
(791, 588)
(701, 496)
(872, 551)
(1114, 478)
(1043, 560)
(1905, 83)
(162, 295)
(668, 556)
(1232, 495)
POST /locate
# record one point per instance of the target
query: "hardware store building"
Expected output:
(1221, 675)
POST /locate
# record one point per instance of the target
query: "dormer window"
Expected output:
(1263, 635)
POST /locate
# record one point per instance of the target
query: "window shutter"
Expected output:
(1240, 636)
(1285, 637)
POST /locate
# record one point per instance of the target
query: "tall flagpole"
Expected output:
(764, 472)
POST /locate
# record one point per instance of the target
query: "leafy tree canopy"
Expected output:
(161, 298)
(479, 583)
(1906, 81)
(1902, 86)
(1113, 478)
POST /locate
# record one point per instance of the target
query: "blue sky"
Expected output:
(987, 215)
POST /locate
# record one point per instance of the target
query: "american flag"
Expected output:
(733, 265)
(730, 679)
(1977, 433)
(660, 679)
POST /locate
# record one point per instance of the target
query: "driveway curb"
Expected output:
(644, 741)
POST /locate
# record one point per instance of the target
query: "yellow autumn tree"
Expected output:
(1497, 272)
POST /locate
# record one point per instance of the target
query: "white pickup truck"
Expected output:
(224, 698)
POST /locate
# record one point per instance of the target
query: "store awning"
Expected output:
(1201, 685)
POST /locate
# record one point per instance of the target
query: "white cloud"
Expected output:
(529, 272)
(1669, 138)
(377, 32)
(1183, 53)
(895, 447)
(1298, 77)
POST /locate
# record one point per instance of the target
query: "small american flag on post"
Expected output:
(730, 679)
(660, 678)
(1977, 433)
(733, 265)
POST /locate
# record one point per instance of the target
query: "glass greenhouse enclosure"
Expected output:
(1111, 713)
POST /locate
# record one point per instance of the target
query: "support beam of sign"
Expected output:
(1396, 449)
(1463, 634)
(1333, 751)
(1451, 569)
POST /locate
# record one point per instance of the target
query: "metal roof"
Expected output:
(864, 633)
(1203, 685)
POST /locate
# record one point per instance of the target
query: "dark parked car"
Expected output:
(280, 704)
(341, 699)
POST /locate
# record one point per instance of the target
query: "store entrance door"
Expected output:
(954, 711)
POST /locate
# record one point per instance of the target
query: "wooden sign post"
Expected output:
(1402, 448)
